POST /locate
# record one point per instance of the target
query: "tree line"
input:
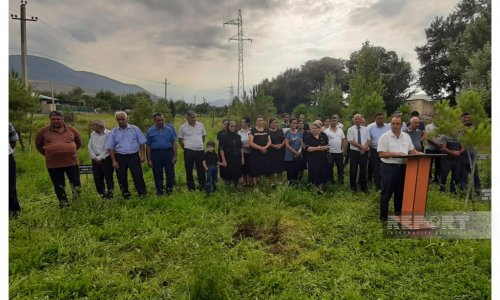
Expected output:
(456, 57)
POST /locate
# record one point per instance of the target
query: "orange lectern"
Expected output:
(415, 192)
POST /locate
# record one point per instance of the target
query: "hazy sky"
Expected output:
(143, 42)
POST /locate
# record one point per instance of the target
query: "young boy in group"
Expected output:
(210, 163)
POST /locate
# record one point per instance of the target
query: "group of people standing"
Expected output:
(244, 155)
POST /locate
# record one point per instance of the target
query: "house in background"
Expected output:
(423, 104)
(49, 104)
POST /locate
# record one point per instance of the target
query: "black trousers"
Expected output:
(293, 169)
(453, 164)
(14, 206)
(59, 182)
(436, 161)
(337, 160)
(103, 173)
(358, 161)
(132, 162)
(162, 163)
(194, 158)
(393, 180)
(375, 166)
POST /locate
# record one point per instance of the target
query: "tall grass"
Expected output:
(262, 243)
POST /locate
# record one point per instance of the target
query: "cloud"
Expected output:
(83, 35)
(145, 41)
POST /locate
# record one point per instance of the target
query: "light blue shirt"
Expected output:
(163, 138)
(125, 140)
(376, 132)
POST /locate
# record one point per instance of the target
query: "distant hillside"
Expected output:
(41, 71)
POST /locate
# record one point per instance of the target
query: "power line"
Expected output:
(24, 45)
(240, 38)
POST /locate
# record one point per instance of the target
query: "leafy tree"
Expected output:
(300, 109)
(181, 107)
(172, 108)
(405, 109)
(236, 108)
(450, 42)
(162, 106)
(258, 104)
(110, 98)
(142, 113)
(296, 86)
(476, 138)
(395, 74)
(366, 86)
(477, 75)
(202, 108)
(329, 97)
(22, 106)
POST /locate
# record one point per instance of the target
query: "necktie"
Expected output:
(359, 135)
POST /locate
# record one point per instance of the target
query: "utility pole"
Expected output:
(166, 83)
(52, 95)
(240, 38)
(24, 47)
(231, 94)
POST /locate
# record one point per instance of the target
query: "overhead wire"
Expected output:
(62, 37)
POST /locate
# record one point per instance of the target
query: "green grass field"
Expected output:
(260, 243)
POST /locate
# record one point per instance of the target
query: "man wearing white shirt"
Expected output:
(191, 138)
(391, 145)
(359, 140)
(376, 130)
(102, 166)
(337, 144)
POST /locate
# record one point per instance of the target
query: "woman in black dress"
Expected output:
(259, 141)
(231, 155)
(316, 145)
(220, 135)
(276, 152)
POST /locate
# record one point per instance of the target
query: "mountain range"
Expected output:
(44, 73)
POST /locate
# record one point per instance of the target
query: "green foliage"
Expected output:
(210, 280)
(236, 108)
(300, 109)
(366, 85)
(405, 109)
(450, 42)
(22, 106)
(329, 98)
(142, 113)
(477, 74)
(258, 103)
(395, 74)
(297, 85)
(163, 106)
(448, 121)
(182, 107)
(371, 105)
(251, 243)
(172, 107)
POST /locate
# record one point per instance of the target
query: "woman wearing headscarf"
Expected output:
(316, 145)
(220, 135)
(231, 153)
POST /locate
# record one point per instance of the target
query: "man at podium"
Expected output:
(391, 145)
